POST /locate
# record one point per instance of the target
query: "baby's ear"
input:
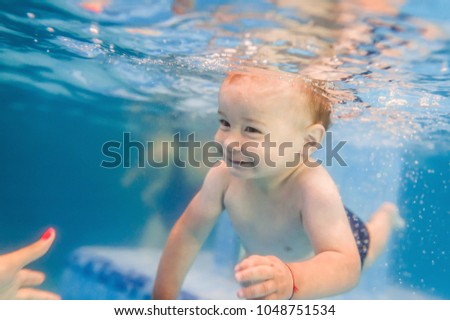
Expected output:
(314, 133)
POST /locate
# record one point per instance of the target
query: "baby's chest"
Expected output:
(258, 215)
(268, 227)
(270, 223)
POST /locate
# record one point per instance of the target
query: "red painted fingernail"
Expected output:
(47, 234)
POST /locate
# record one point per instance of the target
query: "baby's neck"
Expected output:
(270, 183)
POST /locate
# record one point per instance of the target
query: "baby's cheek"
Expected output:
(218, 137)
(286, 155)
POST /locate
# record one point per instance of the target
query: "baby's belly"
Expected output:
(288, 248)
(266, 230)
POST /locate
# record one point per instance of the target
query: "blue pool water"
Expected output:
(72, 79)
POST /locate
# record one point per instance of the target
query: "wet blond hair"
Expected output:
(319, 103)
(314, 92)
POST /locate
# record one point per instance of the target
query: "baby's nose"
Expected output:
(232, 143)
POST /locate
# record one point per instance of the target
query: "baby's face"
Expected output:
(262, 125)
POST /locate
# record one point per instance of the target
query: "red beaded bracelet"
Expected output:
(294, 287)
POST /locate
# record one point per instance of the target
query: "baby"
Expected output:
(299, 240)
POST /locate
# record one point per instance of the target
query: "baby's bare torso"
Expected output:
(268, 223)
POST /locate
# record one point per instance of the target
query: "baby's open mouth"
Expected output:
(240, 163)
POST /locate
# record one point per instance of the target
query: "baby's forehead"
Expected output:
(266, 79)
(267, 83)
(277, 95)
(280, 87)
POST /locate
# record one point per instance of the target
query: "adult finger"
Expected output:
(27, 278)
(34, 251)
(35, 294)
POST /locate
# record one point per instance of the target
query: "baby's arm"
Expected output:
(335, 268)
(189, 233)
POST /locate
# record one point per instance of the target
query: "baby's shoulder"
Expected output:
(217, 177)
(315, 180)
(317, 191)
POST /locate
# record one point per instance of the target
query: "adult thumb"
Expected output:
(34, 251)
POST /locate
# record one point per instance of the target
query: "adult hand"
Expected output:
(15, 281)
(264, 277)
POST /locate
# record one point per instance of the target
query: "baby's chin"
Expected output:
(252, 171)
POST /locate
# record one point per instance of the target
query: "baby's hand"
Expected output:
(15, 281)
(264, 277)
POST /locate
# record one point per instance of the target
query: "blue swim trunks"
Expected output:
(360, 233)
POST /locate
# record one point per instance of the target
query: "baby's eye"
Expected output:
(224, 123)
(252, 130)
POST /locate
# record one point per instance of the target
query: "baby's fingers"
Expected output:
(29, 278)
(254, 274)
(263, 289)
(251, 261)
(35, 294)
